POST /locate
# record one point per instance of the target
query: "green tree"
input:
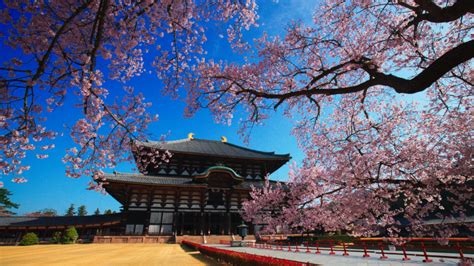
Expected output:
(57, 238)
(71, 210)
(49, 212)
(97, 212)
(108, 211)
(70, 236)
(29, 239)
(81, 211)
(6, 204)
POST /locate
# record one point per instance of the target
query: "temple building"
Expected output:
(198, 191)
(185, 187)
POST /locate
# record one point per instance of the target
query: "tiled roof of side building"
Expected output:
(213, 148)
(24, 221)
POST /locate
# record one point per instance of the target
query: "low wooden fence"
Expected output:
(132, 239)
(240, 258)
(455, 248)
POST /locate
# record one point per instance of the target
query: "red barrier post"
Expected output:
(404, 249)
(331, 246)
(345, 250)
(289, 246)
(424, 253)
(317, 247)
(366, 255)
(383, 257)
(307, 247)
(461, 254)
(297, 249)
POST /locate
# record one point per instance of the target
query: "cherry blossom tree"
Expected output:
(71, 48)
(381, 93)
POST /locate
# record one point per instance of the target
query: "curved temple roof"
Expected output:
(213, 148)
(174, 181)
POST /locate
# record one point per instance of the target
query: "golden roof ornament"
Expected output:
(190, 136)
(223, 139)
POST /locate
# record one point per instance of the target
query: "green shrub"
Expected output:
(56, 239)
(29, 239)
(70, 236)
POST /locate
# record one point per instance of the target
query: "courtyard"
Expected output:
(98, 254)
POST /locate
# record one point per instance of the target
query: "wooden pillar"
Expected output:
(201, 223)
(146, 225)
(203, 217)
(124, 218)
(229, 223)
(175, 229)
(182, 222)
(208, 221)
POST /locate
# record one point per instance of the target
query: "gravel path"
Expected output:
(354, 258)
(102, 254)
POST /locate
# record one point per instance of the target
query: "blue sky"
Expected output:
(48, 187)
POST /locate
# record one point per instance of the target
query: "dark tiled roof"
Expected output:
(164, 180)
(148, 179)
(19, 221)
(255, 183)
(212, 148)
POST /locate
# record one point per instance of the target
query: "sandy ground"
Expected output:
(102, 254)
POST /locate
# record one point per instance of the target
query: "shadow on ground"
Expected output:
(202, 258)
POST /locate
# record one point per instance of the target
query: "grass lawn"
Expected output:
(102, 254)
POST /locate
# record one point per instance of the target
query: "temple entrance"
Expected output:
(189, 223)
(216, 224)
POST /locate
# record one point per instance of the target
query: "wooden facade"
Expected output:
(200, 190)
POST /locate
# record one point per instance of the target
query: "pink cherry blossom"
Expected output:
(66, 47)
(377, 161)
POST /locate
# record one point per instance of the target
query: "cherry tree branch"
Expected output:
(436, 70)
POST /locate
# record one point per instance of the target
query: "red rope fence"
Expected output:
(428, 248)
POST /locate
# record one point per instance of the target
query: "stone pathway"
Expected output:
(354, 258)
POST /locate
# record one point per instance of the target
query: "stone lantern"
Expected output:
(243, 230)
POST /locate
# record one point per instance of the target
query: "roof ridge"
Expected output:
(166, 141)
(216, 141)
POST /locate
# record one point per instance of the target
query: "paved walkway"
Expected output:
(102, 254)
(355, 258)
